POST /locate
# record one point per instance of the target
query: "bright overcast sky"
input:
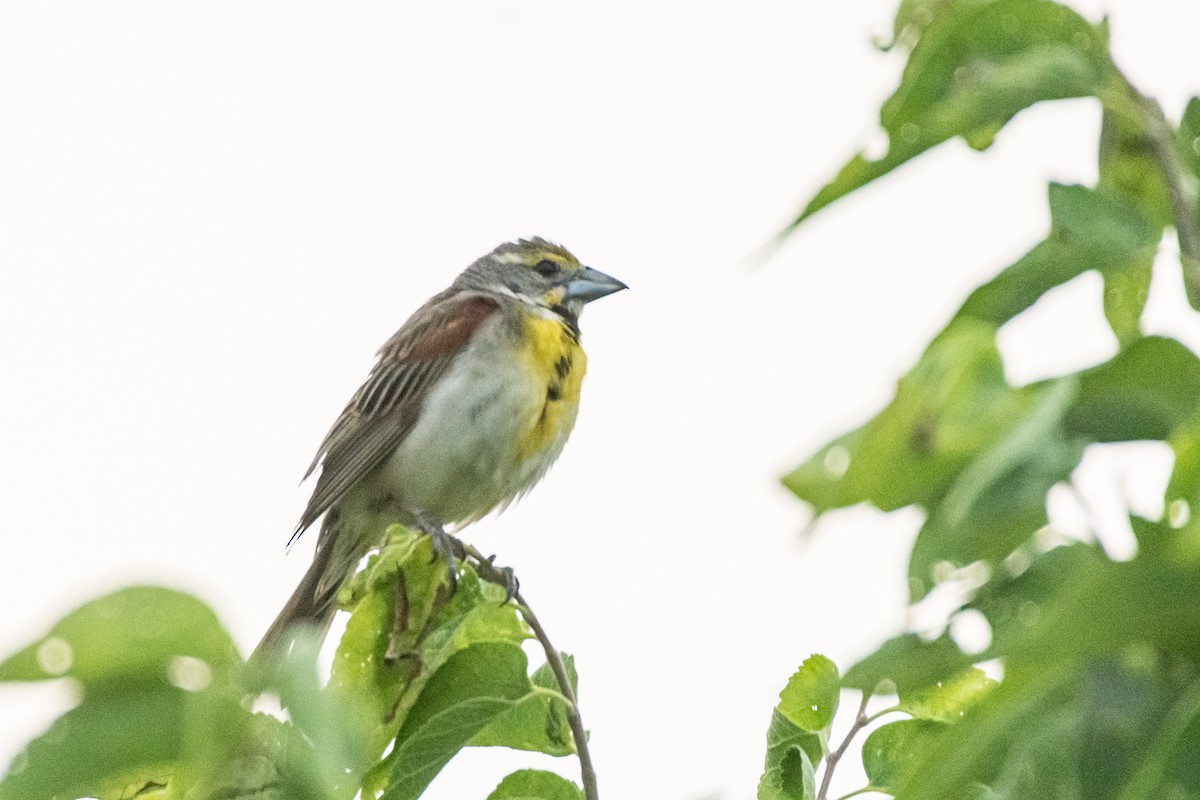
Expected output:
(212, 215)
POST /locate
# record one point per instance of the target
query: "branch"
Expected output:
(1180, 195)
(490, 572)
(860, 721)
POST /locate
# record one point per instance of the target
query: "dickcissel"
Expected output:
(468, 405)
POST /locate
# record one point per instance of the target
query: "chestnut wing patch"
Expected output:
(385, 408)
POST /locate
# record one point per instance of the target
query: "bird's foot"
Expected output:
(444, 545)
(503, 576)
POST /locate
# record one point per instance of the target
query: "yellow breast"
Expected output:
(555, 359)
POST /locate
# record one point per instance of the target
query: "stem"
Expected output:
(860, 720)
(1182, 198)
(881, 712)
(857, 792)
(587, 772)
(489, 572)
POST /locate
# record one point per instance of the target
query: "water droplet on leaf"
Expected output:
(837, 461)
(189, 674)
(1178, 513)
(55, 656)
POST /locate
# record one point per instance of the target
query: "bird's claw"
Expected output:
(444, 546)
(449, 548)
(504, 576)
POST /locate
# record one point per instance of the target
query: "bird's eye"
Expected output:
(546, 268)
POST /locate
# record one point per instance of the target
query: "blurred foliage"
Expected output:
(1100, 696)
(165, 698)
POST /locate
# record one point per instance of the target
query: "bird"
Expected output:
(467, 406)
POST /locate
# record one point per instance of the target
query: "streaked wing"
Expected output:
(385, 408)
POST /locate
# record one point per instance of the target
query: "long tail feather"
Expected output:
(305, 607)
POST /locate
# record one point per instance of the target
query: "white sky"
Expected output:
(212, 215)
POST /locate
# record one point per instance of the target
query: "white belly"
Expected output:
(463, 458)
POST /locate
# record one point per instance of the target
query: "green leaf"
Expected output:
(791, 753)
(1105, 226)
(132, 634)
(973, 749)
(913, 16)
(1184, 486)
(1043, 761)
(1121, 708)
(810, 699)
(434, 625)
(104, 740)
(544, 676)
(1125, 294)
(161, 712)
(1170, 764)
(1014, 605)
(892, 752)
(953, 403)
(1145, 392)
(263, 758)
(472, 688)
(909, 664)
(946, 701)
(539, 722)
(974, 68)
(1103, 610)
(1089, 230)
(1111, 628)
(1128, 168)
(326, 719)
(1187, 139)
(534, 784)
(999, 500)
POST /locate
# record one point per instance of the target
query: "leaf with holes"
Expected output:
(435, 624)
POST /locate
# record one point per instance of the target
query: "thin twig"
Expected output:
(857, 792)
(490, 572)
(587, 772)
(881, 712)
(860, 720)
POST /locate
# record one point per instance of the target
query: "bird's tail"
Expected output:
(311, 605)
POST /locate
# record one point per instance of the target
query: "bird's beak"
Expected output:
(592, 284)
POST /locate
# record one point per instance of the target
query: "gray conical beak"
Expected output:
(592, 284)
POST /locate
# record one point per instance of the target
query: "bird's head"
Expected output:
(541, 274)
